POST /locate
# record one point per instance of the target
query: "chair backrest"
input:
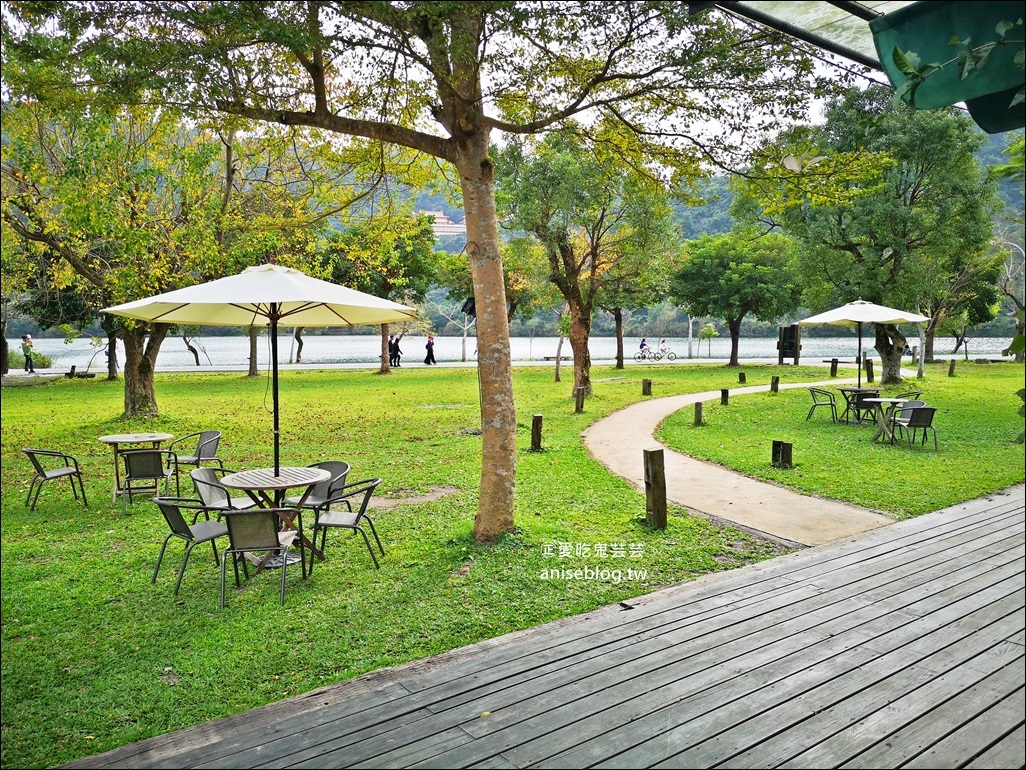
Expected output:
(333, 486)
(253, 530)
(821, 396)
(907, 407)
(209, 488)
(147, 463)
(33, 456)
(174, 518)
(921, 417)
(365, 488)
(912, 394)
(208, 442)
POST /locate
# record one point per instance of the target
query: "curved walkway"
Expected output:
(617, 442)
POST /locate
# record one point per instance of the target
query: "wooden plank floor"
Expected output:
(902, 647)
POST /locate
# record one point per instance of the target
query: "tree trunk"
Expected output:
(618, 318)
(386, 363)
(890, 344)
(931, 333)
(141, 349)
(253, 369)
(580, 331)
(559, 359)
(297, 335)
(112, 356)
(189, 346)
(498, 411)
(734, 324)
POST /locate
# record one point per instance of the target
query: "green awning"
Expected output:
(928, 29)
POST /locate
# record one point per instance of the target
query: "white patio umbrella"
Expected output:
(264, 295)
(861, 312)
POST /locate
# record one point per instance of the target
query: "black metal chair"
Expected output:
(50, 464)
(822, 397)
(258, 530)
(145, 469)
(325, 519)
(205, 451)
(920, 419)
(193, 534)
(321, 496)
(214, 495)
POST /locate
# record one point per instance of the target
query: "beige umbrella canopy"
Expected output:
(859, 312)
(262, 296)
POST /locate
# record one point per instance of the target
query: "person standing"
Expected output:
(398, 353)
(391, 350)
(430, 346)
(26, 349)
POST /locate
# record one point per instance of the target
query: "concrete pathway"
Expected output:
(617, 442)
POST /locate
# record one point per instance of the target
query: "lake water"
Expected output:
(233, 352)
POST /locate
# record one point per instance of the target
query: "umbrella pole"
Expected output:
(274, 383)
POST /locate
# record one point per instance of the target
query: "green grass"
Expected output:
(95, 656)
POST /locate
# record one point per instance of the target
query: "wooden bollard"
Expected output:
(951, 368)
(781, 454)
(741, 378)
(698, 413)
(655, 488)
(579, 395)
(724, 396)
(869, 370)
(833, 367)
(646, 387)
(536, 430)
(774, 384)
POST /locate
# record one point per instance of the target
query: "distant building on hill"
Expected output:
(444, 226)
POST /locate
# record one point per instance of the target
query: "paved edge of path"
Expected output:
(618, 441)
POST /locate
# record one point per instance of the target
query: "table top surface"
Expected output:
(265, 478)
(135, 438)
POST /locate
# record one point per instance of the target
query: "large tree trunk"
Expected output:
(141, 348)
(890, 344)
(931, 333)
(297, 335)
(498, 411)
(580, 331)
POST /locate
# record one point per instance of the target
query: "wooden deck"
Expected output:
(902, 647)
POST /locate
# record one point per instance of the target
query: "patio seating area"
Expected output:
(900, 647)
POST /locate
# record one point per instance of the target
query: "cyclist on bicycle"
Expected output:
(645, 349)
(663, 347)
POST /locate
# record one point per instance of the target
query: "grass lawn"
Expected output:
(95, 656)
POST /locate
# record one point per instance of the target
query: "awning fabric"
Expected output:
(929, 28)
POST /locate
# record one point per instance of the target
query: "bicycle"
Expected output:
(669, 355)
(646, 355)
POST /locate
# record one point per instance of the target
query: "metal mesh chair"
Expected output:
(205, 451)
(193, 534)
(144, 470)
(919, 419)
(257, 530)
(214, 495)
(49, 465)
(321, 496)
(822, 397)
(325, 519)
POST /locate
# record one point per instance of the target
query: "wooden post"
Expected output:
(579, 394)
(781, 454)
(536, 430)
(741, 377)
(833, 367)
(951, 368)
(774, 384)
(869, 369)
(724, 396)
(646, 387)
(698, 413)
(655, 488)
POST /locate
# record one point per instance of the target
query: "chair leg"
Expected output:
(224, 567)
(81, 487)
(369, 549)
(160, 558)
(181, 572)
(284, 569)
(375, 533)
